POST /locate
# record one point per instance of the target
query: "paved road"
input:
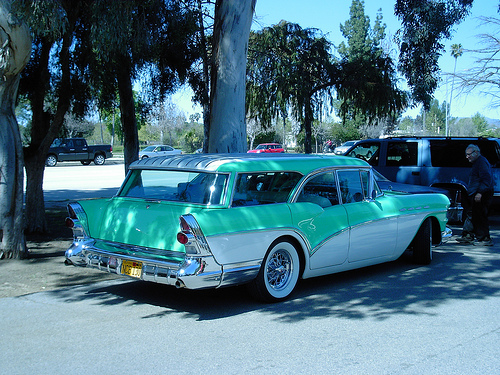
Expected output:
(395, 318)
(71, 180)
(388, 319)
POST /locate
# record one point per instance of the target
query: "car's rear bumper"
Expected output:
(192, 272)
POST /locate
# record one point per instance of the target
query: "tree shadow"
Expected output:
(377, 292)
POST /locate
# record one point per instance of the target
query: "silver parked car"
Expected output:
(158, 150)
(344, 147)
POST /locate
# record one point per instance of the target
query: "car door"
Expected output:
(401, 162)
(322, 220)
(373, 226)
(73, 149)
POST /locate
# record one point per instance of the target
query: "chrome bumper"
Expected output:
(455, 214)
(196, 272)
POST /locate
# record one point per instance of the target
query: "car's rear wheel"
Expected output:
(99, 159)
(51, 161)
(278, 274)
(422, 244)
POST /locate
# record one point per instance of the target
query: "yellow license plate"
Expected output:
(131, 268)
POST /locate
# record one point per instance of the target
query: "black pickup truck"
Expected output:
(77, 149)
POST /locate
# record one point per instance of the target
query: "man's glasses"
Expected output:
(469, 153)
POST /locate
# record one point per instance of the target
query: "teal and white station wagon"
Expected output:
(214, 220)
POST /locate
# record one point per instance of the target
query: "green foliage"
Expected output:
(46, 19)
(286, 66)
(267, 137)
(425, 24)
(345, 132)
(357, 32)
(367, 76)
(480, 123)
(435, 119)
(192, 138)
(407, 125)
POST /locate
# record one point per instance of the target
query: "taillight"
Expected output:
(71, 212)
(182, 238)
(69, 222)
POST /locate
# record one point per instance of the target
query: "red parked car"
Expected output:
(267, 147)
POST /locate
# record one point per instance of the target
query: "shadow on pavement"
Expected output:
(377, 292)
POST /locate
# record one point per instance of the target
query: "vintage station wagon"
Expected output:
(213, 220)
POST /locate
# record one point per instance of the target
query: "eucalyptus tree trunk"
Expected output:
(127, 111)
(45, 127)
(15, 48)
(233, 19)
(205, 101)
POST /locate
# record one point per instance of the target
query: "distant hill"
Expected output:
(493, 123)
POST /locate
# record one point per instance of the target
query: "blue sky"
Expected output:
(327, 15)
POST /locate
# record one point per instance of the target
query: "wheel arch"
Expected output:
(436, 236)
(299, 246)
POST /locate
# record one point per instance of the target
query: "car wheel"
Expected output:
(99, 160)
(85, 162)
(51, 161)
(422, 244)
(144, 157)
(278, 274)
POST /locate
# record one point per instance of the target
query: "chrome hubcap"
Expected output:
(279, 268)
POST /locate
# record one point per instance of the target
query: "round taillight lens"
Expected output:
(69, 222)
(182, 238)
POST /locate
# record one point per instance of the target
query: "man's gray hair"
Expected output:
(474, 148)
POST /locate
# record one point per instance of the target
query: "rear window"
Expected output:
(451, 153)
(176, 186)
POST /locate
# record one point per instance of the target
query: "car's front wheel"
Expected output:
(278, 274)
(99, 159)
(51, 161)
(422, 244)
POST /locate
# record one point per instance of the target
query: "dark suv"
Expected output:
(429, 161)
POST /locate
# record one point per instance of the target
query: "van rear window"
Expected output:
(451, 153)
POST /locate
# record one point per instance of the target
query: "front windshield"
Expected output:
(149, 148)
(176, 186)
(261, 147)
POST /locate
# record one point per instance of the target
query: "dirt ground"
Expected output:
(45, 268)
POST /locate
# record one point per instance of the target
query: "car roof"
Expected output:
(248, 162)
(436, 137)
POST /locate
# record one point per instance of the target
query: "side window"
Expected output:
(264, 188)
(321, 189)
(402, 154)
(451, 152)
(366, 151)
(351, 189)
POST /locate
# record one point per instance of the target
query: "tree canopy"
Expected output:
(425, 23)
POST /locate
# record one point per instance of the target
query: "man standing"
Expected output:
(480, 193)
